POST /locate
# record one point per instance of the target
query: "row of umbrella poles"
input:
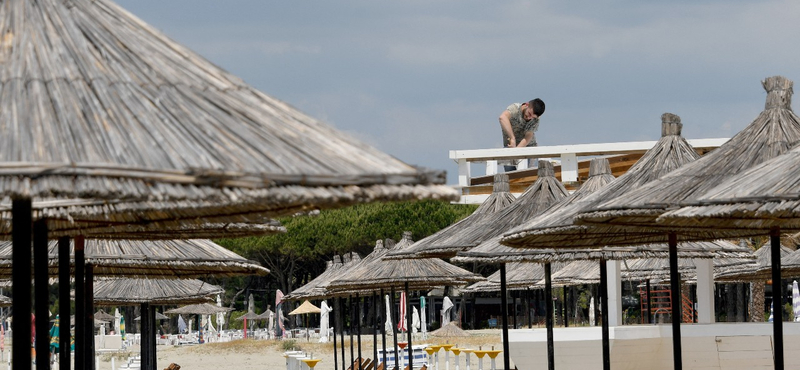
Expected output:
(118, 132)
(373, 275)
(171, 259)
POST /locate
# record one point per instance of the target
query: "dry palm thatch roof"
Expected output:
(519, 276)
(437, 245)
(557, 230)
(198, 309)
(103, 315)
(99, 105)
(588, 272)
(137, 258)
(492, 251)
(771, 134)
(762, 197)
(374, 272)
(760, 268)
(112, 292)
(190, 229)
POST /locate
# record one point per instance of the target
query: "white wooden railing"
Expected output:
(569, 156)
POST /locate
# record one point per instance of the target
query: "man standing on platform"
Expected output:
(519, 123)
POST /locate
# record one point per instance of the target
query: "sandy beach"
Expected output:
(251, 354)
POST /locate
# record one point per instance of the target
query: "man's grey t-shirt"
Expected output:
(519, 126)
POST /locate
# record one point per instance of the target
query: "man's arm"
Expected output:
(524, 142)
(505, 125)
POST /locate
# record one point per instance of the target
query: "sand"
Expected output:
(251, 354)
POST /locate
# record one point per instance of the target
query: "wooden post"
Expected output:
(504, 313)
(548, 298)
(336, 314)
(80, 304)
(63, 303)
(675, 287)
(393, 315)
(41, 293)
(777, 295)
(358, 330)
(604, 303)
(21, 223)
(463, 173)
(409, 323)
(89, 322)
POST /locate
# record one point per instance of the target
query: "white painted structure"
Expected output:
(728, 346)
(568, 155)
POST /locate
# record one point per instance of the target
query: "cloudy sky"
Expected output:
(420, 78)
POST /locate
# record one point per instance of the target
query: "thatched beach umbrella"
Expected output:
(143, 258)
(446, 242)
(135, 291)
(198, 309)
(375, 273)
(100, 107)
(772, 133)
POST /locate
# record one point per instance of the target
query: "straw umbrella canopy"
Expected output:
(438, 244)
(198, 309)
(136, 258)
(102, 106)
(375, 272)
(519, 276)
(157, 315)
(132, 291)
(760, 269)
(102, 315)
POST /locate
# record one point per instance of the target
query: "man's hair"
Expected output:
(537, 105)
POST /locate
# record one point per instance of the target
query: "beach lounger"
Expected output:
(366, 362)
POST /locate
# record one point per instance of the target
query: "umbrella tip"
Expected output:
(500, 183)
(407, 235)
(546, 169)
(779, 92)
(599, 166)
(670, 125)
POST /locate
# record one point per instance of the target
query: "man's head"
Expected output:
(533, 109)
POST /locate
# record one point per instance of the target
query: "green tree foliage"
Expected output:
(300, 253)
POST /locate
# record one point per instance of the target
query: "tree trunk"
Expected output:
(757, 301)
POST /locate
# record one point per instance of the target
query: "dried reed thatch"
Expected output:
(588, 272)
(374, 273)
(493, 252)
(99, 105)
(519, 276)
(103, 315)
(114, 292)
(162, 259)
(436, 245)
(185, 229)
(198, 309)
(731, 171)
(557, 230)
(760, 268)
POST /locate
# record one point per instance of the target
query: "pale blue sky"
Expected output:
(419, 78)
